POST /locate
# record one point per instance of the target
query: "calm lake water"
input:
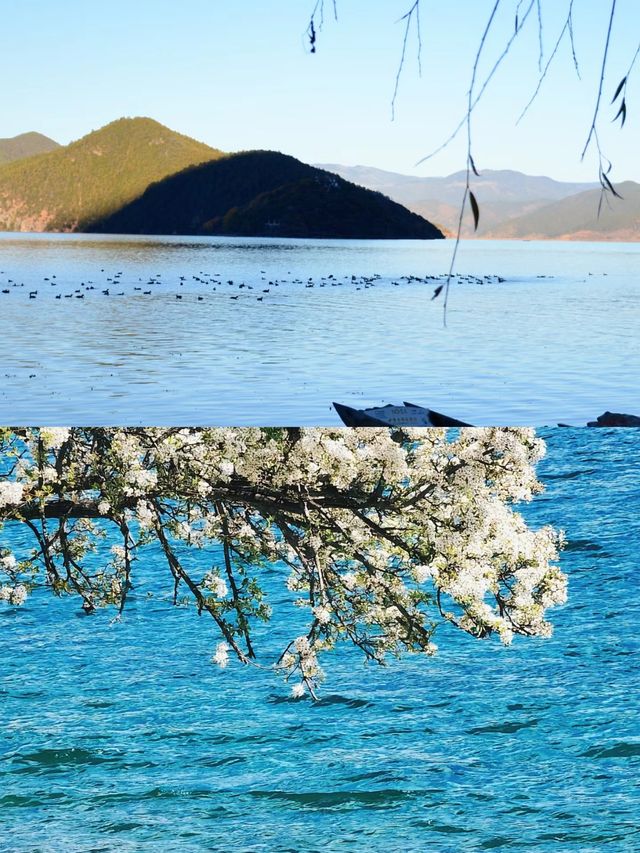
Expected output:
(125, 737)
(556, 341)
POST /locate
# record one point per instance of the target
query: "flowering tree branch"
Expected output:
(379, 535)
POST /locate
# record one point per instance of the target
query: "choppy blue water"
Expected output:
(125, 737)
(556, 341)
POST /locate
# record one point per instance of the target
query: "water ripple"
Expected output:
(126, 738)
(531, 350)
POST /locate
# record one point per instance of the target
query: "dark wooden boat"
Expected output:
(407, 415)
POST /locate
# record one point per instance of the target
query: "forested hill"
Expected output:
(72, 187)
(25, 145)
(265, 193)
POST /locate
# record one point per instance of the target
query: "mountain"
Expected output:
(576, 218)
(25, 145)
(502, 194)
(264, 193)
(71, 187)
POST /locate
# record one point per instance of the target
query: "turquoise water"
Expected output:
(557, 340)
(125, 737)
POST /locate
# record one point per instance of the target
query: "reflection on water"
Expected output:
(557, 340)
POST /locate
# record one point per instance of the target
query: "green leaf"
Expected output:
(622, 112)
(475, 210)
(608, 185)
(621, 85)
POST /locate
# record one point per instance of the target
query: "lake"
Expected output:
(124, 736)
(557, 340)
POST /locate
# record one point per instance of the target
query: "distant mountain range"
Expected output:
(25, 145)
(577, 218)
(512, 205)
(136, 176)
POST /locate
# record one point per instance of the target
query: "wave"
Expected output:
(502, 728)
(624, 749)
(66, 757)
(385, 798)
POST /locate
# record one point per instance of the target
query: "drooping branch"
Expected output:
(180, 573)
(375, 528)
(603, 68)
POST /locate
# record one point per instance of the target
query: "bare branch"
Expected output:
(601, 82)
(566, 28)
(415, 9)
(482, 89)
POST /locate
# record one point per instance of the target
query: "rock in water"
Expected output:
(615, 419)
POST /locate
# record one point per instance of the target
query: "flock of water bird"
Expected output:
(198, 287)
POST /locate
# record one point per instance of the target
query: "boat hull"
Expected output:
(408, 415)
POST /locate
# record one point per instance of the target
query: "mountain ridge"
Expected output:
(584, 216)
(504, 196)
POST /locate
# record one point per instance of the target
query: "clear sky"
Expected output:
(238, 74)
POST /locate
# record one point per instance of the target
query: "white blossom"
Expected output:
(301, 645)
(54, 437)
(215, 584)
(11, 492)
(322, 614)
(422, 573)
(349, 580)
(16, 595)
(144, 514)
(221, 655)
(8, 562)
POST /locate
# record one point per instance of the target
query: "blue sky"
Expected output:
(239, 75)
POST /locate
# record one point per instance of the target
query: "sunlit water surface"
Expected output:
(125, 737)
(556, 341)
